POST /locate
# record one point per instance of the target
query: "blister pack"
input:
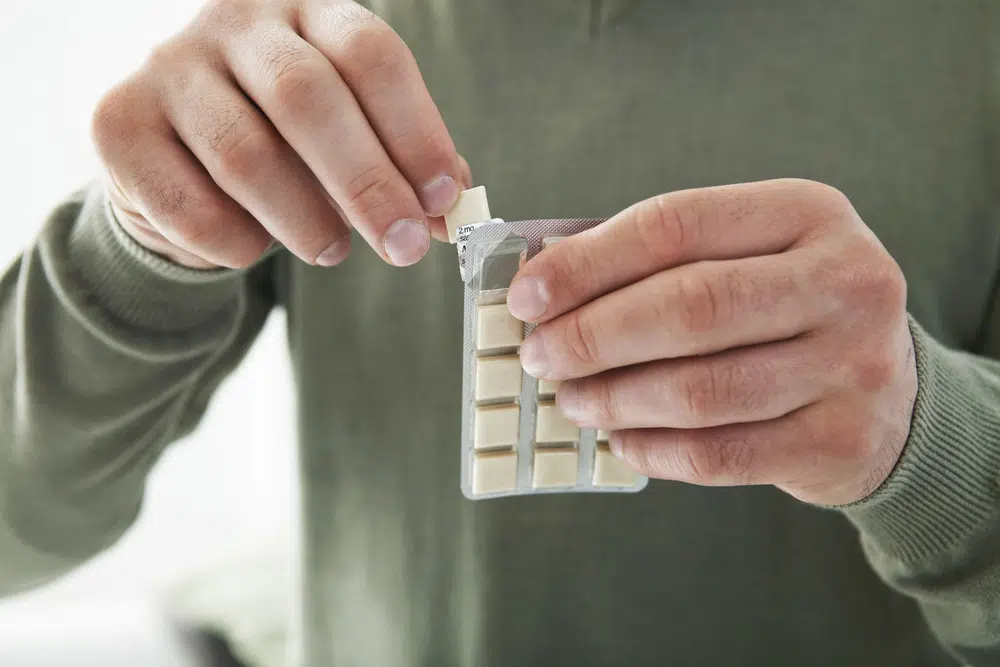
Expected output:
(515, 441)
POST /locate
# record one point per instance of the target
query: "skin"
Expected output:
(278, 121)
(736, 335)
(745, 334)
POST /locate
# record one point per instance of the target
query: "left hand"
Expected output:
(745, 334)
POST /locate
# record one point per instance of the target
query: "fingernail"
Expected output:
(568, 402)
(527, 299)
(439, 196)
(406, 242)
(336, 253)
(615, 445)
(534, 360)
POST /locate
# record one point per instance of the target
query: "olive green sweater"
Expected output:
(564, 108)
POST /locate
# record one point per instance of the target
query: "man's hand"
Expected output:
(279, 120)
(749, 334)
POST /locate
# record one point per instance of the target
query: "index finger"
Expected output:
(383, 74)
(718, 223)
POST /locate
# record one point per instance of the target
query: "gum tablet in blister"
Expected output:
(515, 441)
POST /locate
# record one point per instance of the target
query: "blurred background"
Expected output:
(218, 499)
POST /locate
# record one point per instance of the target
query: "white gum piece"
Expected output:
(471, 207)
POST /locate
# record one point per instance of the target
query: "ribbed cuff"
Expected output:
(135, 285)
(944, 489)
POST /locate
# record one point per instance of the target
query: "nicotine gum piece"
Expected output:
(498, 377)
(554, 468)
(494, 472)
(496, 426)
(548, 387)
(470, 208)
(610, 471)
(603, 436)
(551, 426)
(496, 327)
(549, 240)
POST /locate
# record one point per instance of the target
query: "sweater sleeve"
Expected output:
(932, 530)
(108, 353)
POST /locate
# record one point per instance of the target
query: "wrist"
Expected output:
(943, 490)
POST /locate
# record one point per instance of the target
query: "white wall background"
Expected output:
(233, 482)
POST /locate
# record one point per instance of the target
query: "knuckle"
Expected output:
(581, 341)
(169, 55)
(431, 147)
(816, 190)
(887, 285)
(702, 461)
(200, 228)
(737, 460)
(605, 404)
(219, 125)
(373, 57)
(360, 34)
(370, 191)
(667, 227)
(749, 386)
(293, 75)
(720, 459)
(701, 305)
(179, 207)
(246, 155)
(165, 198)
(567, 274)
(819, 200)
(834, 199)
(701, 391)
(255, 22)
(724, 389)
(113, 116)
(873, 283)
(874, 371)
(644, 454)
(228, 14)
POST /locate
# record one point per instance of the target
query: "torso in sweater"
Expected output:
(571, 108)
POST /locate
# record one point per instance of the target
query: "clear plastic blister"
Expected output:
(515, 441)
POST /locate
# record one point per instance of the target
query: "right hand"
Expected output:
(279, 120)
